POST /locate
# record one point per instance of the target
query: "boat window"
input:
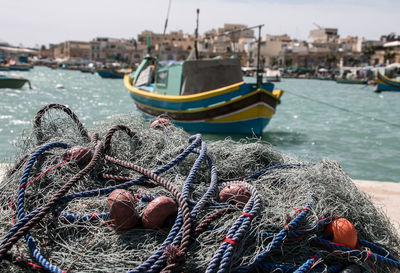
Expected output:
(162, 78)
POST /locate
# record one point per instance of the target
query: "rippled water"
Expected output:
(316, 119)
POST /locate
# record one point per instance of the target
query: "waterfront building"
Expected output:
(392, 52)
(173, 46)
(323, 35)
(323, 48)
(109, 50)
(73, 51)
(383, 52)
(271, 47)
(46, 53)
(8, 52)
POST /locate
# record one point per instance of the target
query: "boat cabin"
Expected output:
(195, 76)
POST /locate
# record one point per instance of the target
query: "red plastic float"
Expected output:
(121, 205)
(157, 211)
(235, 193)
(343, 231)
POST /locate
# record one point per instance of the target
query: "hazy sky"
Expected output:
(37, 22)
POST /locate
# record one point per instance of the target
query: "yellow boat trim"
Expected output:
(201, 109)
(255, 111)
(277, 93)
(386, 77)
(395, 82)
(203, 95)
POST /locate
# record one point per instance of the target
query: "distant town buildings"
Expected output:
(323, 36)
(323, 48)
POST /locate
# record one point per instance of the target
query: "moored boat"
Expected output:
(352, 81)
(13, 82)
(112, 73)
(21, 67)
(204, 95)
(353, 75)
(87, 70)
(4, 67)
(384, 83)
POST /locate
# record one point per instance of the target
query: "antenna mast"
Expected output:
(259, 71)
(197, 34)
(165, 29)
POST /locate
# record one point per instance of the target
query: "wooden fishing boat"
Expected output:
(204, 95)
(351, 81)
(13, 82)
(87, 70)
(384, 83)
(112, 73)
(21, 67)
(4, 67)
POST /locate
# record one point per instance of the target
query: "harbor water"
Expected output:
(315, 120)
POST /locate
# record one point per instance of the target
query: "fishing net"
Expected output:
(55, 216)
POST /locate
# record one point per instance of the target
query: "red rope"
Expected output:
(313, 260)
(11, 210)
(299, 210)
(248, 215)
(94, 216)
(34, 265)
(229, 241)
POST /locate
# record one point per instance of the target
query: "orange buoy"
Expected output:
(343, 232)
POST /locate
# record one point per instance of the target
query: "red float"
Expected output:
(157, 211)
(343, 231)
(121, 205)
(235, 193)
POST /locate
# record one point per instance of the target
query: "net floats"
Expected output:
(157, 211)
(343, 232)
(235, 193)
(122, 207)
(82, 155)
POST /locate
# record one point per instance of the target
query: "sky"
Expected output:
(33, 23)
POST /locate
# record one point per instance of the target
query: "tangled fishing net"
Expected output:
(55, 214)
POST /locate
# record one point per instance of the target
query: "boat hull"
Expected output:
(12, 83)
(384, 83)
(386, 87)
(233, 109)
(246, 127)
(348, 81)
(110, 74)
(20, 67)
